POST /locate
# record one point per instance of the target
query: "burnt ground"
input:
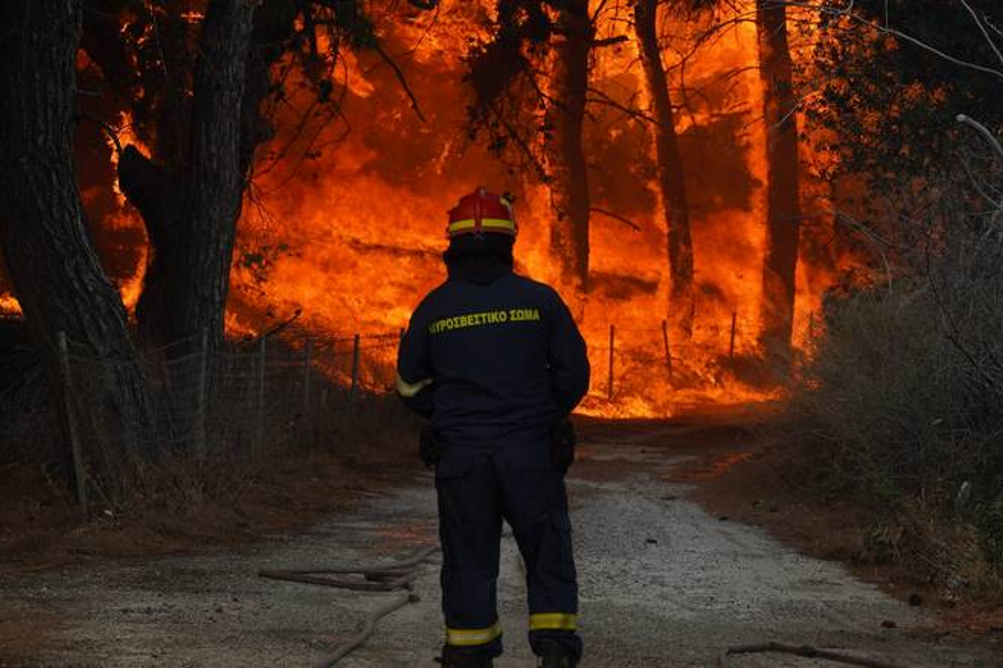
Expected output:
(664, 582)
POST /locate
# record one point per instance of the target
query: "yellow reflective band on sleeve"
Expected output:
(468, 637)
(470, 223)
(551, 621)
(408, 390)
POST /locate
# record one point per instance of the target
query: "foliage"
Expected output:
(260, 261)
(144, 54)
(989, 526)
(883, 108)
(903, 393)
(505, 74)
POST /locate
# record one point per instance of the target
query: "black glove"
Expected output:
(562, 443)
(428, 447)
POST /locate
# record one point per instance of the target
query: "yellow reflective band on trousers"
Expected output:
(468, 637)
(553, 621)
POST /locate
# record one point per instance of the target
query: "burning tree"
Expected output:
(194, 85)
(567, 172)
(670, 169)
(783, 213)
(583, 94)
(538, 58)
(910, 117)
(198, 91)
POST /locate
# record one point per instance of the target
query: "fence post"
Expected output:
(307, 362)
(731, 344)
(71, 424)
(355, 369)
(612, 339)
(259, 435)
(203, 397)
(668, 351)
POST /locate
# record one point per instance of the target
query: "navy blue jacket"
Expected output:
(492, 364)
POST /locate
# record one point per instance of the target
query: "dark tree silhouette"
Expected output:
(53, 267)
(530, 83)
(565, 155)
(191, 202)
(783, 213)
(194, 87)
(670, 170)
(195, 95)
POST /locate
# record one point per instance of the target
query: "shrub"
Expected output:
(903, 392)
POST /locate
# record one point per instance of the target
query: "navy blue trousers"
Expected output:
(477, 488)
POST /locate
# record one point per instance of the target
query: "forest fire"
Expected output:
(267, 296)
(343, 221)
(351, 234)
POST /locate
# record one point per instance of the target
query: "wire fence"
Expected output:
(272, 392)
(626, 359)
(244, 398)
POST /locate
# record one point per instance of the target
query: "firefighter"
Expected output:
(497, 364)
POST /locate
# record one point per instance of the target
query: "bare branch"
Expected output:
(108, 130)
(794, 109)
(609, 101)
(615, 216)
(984, 131)
(915, 41)
(981, 188)
(609, 41)
(871, 236)
(982, 28)
(400, 78)
(806, 651)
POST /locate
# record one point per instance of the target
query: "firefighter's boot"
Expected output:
(453, 658)
(555, 655)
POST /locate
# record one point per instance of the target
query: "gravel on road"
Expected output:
(662, 583)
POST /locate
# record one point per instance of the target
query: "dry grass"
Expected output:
(180, 503)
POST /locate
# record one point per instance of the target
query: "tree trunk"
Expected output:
(54, 269)
(670, 171)
(568, 178)
(783, 215)
(191, 209)
(215, 180)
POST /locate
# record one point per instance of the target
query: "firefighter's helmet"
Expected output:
(482, 212)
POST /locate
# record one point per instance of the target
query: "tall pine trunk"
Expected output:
(191, 209)
(783, 214)
(191, 205)
(214, 185)
(53, 266)
(567, 171)
(670, 171)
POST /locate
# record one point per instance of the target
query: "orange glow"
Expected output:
(351, 234)
(345, 219)
(9, 306)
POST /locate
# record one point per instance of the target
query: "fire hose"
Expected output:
(402, 574)
(806, 651)
(382, 577)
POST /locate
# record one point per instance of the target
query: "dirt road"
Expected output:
(663, 584)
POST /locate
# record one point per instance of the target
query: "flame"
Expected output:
(344, 221)
(9, 306)
(351, 234)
